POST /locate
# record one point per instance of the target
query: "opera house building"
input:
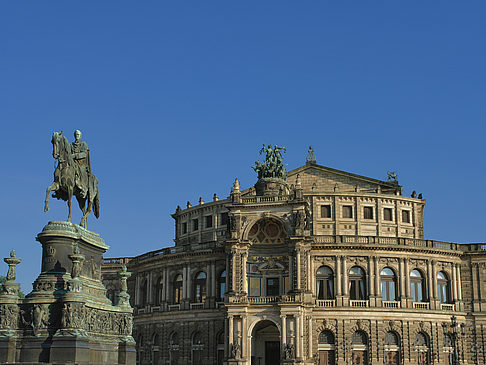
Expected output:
(310, 266)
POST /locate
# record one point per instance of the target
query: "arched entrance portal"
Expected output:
(265, 344)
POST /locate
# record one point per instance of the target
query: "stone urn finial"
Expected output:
(10, 287)
(12, 261)
(123, 296)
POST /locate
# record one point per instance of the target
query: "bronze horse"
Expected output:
(64, 185)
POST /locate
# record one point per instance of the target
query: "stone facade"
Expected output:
(327, 267)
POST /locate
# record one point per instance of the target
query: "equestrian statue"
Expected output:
(73, 176)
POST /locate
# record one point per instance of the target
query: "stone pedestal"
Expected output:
(67, 318)
(271, 186)
(7, 349)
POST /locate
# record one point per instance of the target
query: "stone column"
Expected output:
(226, 338)
(189, 284)
(454, 284)
(459, 286)
(402, 282)
(339, 288)
(228, 274)
(310, 271)
(475, 287)
(230, 333)
(434, 281)
(244, 256)
(298, 335)
(309, 323)
(244, 337)
(377, 281)
(214, 280)
(430, 283)
(291, 272)
(209, 286)
(233, 271)
(371, 281)
(165, 288)
(301, 337)
(345, 282)
(298, 267)
(284, 330)
(184, 283)
(407, 283)
(150, 289)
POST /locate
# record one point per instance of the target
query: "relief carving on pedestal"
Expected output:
(9, 316)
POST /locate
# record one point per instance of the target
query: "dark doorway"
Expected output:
(326, 357)
(359, 358)
(272, 353)
(392, 358)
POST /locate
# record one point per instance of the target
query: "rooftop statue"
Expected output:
(73, 176)
(273, 166)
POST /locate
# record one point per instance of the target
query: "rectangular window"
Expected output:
(222, 290)
(224, 219)
(347, 211)
(368, 212)
(325, 211)
(255, 287)
(387, 214)
(184, 227)
(195, 224)
(273, 287)
(405, 216)
(209, 221)
(287, 283)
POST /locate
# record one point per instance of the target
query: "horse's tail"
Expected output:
(93, 184)
(96, 205)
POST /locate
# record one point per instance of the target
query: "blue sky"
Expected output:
(176, 98)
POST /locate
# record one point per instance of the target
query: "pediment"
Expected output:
(270, 265)
(319, 178)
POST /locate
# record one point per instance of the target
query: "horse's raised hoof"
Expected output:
(46, 208)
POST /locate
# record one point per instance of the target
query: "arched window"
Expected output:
(359, 347)
(357, 283)
(391, 349)
(267, 231)
(155, 349)
(221, 286)
(360, 338)
(391, 339)
(326, 337)
(443, 287)
(143, 293)
(197, 347)
(417, 286)
(200, 287)
(177, 289)
(159, 289)
(388, 284)
(421, 347)
(326, 348)
(325, 283)
(173, 348)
